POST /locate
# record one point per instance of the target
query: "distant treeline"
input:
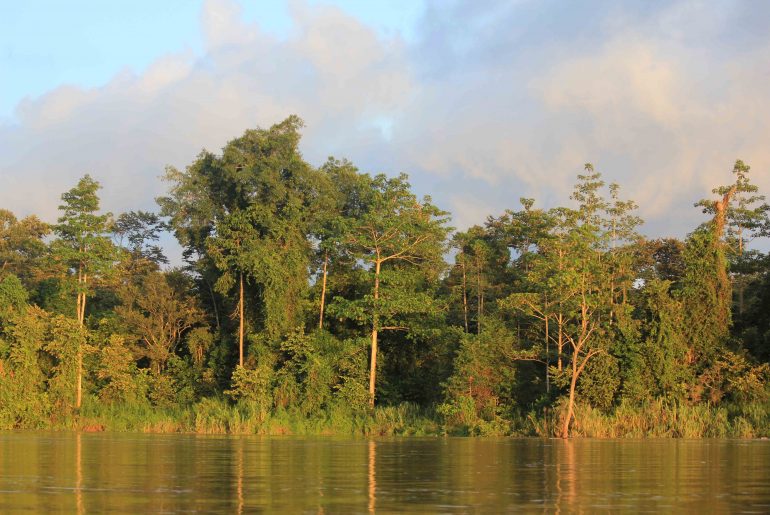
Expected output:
(321, 300)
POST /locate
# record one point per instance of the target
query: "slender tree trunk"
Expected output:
(465, 298)
(740, 282)
(612, 296)
(547, 374)
(213, 301)
(83, 301)
(323, 291)
(560, 340)
(479, 300)
(375, 323)
(79, 393)
(240, 324)
(81, 310)
(571, 403)
(560, 319)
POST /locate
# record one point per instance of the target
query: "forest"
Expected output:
(331, 301)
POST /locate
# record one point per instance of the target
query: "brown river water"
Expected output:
(46, 472)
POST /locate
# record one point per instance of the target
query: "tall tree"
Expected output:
(248, 213)
(83, 248)
(706, 286)
(396, 235)
(344, 189)
(573, 278)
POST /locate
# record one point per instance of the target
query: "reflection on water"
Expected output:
(372, 475)
(79, 473)
(124, 473)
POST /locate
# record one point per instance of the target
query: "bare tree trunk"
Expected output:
(560, 320)
(571, 403)
(79, 393)
(323, 291)
(465, 298)
(479, 300)
(560, 340)
(547, 374)
(375, 322)
(81, 311)
(740, 283)
(240, 325)
(83, 301)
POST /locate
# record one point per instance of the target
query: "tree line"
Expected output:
(324, 293)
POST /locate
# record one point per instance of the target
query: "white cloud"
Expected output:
(661, 106)
(125, 132)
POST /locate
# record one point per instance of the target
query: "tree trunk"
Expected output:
(560, 320)
(79, 392)
(479, 300)
(560, 340)
(323, 291)
(213, 301)
(740, 282)
(375, 322)
(571, 403)
(81, 311)
(465, 298)
(240, 324)
(547, 375)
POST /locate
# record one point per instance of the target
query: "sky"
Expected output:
(480, 102)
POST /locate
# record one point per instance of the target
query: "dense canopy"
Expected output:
(324, 299)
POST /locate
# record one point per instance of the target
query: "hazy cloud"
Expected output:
(490, 102)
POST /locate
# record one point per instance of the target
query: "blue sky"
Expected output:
(85, 42)
(481, 102)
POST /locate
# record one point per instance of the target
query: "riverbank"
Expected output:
(657, 419)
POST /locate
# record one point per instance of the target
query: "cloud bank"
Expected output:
(488, 102)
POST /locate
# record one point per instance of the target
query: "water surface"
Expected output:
(130, 473)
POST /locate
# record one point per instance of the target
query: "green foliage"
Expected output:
(21, 244)
(657, 366)
(83, 250)
(483, 378)
(253, 386)
(158, 311)
(25, 403)
(13, 298)
(560, 321)
(733, 377)
(65, 339)
(705, 302)
(249, 211)
(138, 232)
(122, 381)
(600, 381)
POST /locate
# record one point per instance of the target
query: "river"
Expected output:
(135, 473)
